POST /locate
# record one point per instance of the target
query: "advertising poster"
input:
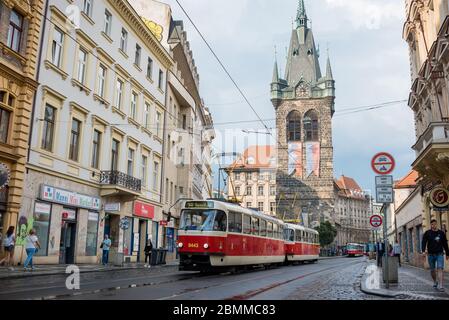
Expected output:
(313, 158)
(295, 159)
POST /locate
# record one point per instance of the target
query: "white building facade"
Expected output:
(97, 143)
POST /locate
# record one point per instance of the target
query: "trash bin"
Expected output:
(163, 256)
(393, 266)
(154, 257)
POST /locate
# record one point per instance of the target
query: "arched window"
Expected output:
(311, 126)
(294, 126)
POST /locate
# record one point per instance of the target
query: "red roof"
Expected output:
(257, 157)
(409, 181)
(348, 187)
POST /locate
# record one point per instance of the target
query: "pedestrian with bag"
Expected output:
(106, 246)
(8, 245)
(148, 249)
(434, 244)
(32, 245)
(397, 251)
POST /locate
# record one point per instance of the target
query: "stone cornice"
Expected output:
(140, 28)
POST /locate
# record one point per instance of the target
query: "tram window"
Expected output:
(246, 224)
(289, 235)
(235, 222)
(281, 232)
(270, 229)
(275, 231)
(263, 228)
(220, 222)
(298, 236)
(255, 226)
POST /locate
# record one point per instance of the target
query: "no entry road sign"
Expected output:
(383, 163)
(376, 221)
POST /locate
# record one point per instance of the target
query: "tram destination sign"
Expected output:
(199, 205)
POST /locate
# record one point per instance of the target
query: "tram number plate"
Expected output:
(193, 245)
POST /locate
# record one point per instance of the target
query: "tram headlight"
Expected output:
(206, 246)
(180, 245)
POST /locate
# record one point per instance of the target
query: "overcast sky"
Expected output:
(369, 59)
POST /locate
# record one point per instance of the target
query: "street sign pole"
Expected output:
(387, 275)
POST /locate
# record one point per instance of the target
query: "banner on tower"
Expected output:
(295, 159)
(313, 158)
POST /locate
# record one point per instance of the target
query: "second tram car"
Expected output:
(301, 244)
(217, 235)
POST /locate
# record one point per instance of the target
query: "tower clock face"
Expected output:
(302, 91)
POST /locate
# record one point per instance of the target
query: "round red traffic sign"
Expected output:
(376, 221)
(383, 163)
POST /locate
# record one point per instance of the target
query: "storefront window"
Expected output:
(41, 224)
(92, 232)
(127, 243)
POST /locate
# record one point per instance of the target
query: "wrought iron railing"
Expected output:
(121, 179)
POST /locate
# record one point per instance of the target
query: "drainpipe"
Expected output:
(33, 110)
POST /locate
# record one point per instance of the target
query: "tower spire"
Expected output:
(329, 75)
(275, 70)
(301, 16)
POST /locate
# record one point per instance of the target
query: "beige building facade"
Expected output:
(425, 30)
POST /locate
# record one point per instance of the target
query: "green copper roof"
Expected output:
(301, 16)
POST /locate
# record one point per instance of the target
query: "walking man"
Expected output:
(397, 251)
(434, 244)
(106, 246)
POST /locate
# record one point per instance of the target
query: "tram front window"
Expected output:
(203, 220)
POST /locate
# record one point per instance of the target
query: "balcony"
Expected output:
(432, 151)
(116, 183)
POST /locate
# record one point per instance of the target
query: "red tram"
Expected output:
(219, 235)
(355, 249)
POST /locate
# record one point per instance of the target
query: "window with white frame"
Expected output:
(96, 149)
(138, 54)
(57, 47)
(119, 93)
(107, 22)
(150, 68)
(144, 169)
(147, 115)
(130, 171)
(155, 176)
(134, 99)
(15, 30)
(158, 123)
(87, 8)
(161, 79)
(102, 80)
(82, 65)
(124, 40)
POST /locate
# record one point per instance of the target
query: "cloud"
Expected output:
(370, 14)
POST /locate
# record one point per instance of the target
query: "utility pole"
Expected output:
(387, 275)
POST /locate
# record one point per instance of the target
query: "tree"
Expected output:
(327, 233)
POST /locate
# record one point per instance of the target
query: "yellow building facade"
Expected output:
(20, 23)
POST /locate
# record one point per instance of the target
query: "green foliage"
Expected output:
(327, 233)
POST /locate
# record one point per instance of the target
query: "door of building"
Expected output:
(67, 244)
(142, 240)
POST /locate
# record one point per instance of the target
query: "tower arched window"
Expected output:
(311, 126)
(294, 126)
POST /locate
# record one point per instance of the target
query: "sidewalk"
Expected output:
(48, 270)
(414, 283)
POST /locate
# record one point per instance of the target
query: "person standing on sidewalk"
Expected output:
(148, 249)
(436, 243)
(31, 246)
(397, 251)
(8, 245)
(106, 246)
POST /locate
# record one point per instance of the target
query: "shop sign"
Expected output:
(93, 216)
(68, 214)
(112, 207)
(136, 242)
(163, 223)
(40, 207)
(143, 210)
(439, 197)
(69, 198)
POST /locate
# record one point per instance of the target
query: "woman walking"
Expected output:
(8, 245)
(31, 246)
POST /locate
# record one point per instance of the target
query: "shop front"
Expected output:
(142, 229)
(66, 224)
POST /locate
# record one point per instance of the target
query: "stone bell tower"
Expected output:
(304, 104)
